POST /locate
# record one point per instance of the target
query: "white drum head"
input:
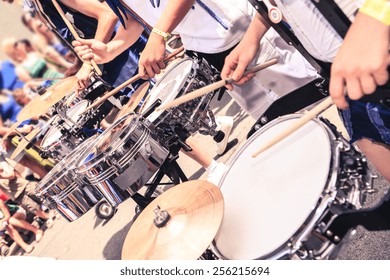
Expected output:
(268, 198)
(52, 136)
(168, 87)
(76, 110)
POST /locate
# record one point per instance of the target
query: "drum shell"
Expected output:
(61, 189)
(124, 168)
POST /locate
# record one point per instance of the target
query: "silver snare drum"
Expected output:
(124, 157)
(65, 192)
(63, 136)
(181, 77)
(279, 204)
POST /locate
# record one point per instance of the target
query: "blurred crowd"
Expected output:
(31, 64)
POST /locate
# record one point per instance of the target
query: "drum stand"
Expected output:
(170, 168)
(373, 219)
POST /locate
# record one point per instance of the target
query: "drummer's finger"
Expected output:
(239, 71)
(149, 71)
(156, 68)
(88, 56)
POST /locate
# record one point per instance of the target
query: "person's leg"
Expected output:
(367, 125)
(34, 166)
(18, 220)
(14, 234)
(29, 204)
(197, 154)
(378, 154)
(215, 170)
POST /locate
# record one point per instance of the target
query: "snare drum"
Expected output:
(124, 157)
(62, 190)
(64, 135)
(278, 204)
(181, 77)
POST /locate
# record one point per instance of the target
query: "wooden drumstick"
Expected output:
(308, 116)
(204, 90)
(126, 83)
(135, 99)
(74, 33)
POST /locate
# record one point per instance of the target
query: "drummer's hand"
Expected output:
(152, 57)
(83, 76)
(237, 62)
(361, 63)
(92, 49)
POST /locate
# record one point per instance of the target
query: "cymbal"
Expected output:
(25, 141)
(195, 211)
(40, 104)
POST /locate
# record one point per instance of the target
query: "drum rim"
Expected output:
(168, 71)
(321, 201)
(62, 168)
(82, 167)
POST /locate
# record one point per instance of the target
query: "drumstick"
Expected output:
(24, 142)
(135, 99)
(11, 129)
(126, 83)
(74, 32)
(204, 90)
(325, 104)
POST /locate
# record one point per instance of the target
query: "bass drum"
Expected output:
(278, 205)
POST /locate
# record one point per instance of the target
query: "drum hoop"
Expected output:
(328, 193)
(169, 70)
(82, 166)
(53, 128)
(61, 169)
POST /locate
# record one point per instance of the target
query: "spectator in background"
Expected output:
(12, 218)
(45, 42)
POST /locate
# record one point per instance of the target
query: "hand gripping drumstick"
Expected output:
(308, 116)
(204, 90)
(74, 32)
(126, 83)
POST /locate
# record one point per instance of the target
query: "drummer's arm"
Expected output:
(103, 53)
(152, 57)
(101, 11)
(240, 57)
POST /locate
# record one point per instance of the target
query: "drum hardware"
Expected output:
(214, 86)
(376, 218)
(124, 157)
(318, 109)
(195, 209)
(184, 75)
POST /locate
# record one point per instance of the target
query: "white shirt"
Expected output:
(311, 27)
(200, 30)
